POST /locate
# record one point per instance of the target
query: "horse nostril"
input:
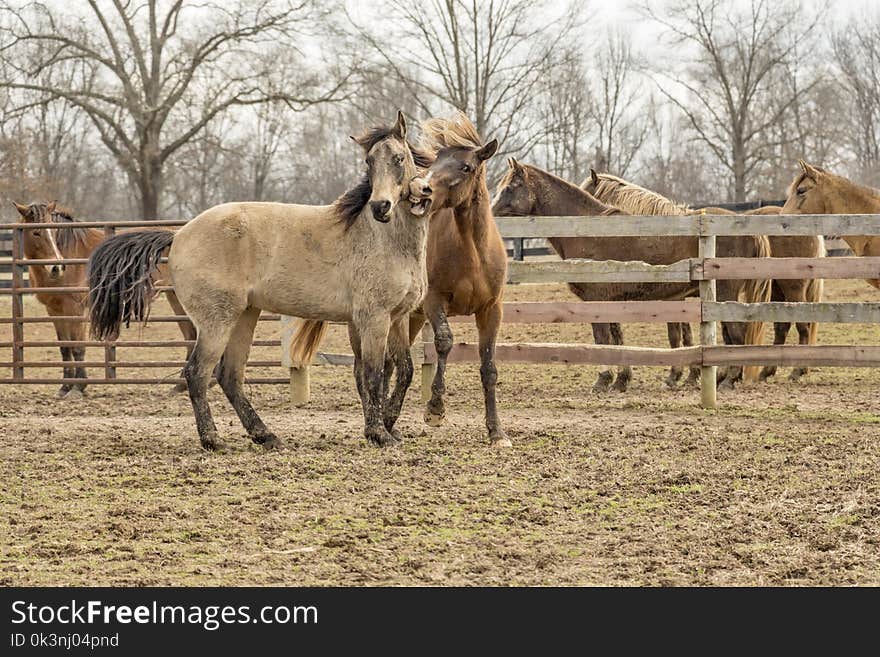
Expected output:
(426, 190)
(380, 208)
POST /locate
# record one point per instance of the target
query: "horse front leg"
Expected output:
(780, 330)
(602, 335)
(488, 323)
(78, 333)
(435, 412)
(61, 331)
(373, 331)
(401, 362)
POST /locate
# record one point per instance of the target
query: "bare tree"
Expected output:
(856, 49)
(484, 58)
(728, 93)
(139, 64)
(618, 102)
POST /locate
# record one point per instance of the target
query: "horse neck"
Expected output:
(474, 217)
(554, 196)
(409, 233)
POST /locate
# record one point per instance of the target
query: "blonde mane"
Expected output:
(635, 200)
(456, 131)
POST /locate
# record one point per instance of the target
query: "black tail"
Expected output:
(121, 285)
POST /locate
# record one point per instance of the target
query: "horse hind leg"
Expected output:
(435, 412)
(230, 374)
(211, 340)
(186, 329)
(780, 331)
(602, 335)
(624, 373)
(488, 322)
(674, 332)
(687, 340)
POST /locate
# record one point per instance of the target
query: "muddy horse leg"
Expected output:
(624, 372)
(602, 335)
(488, 323)
(734, 334)
(230, 374)
(63, 334)
(210, 344)
(780, 330)
(78, 333)
(373, 331)
(687, 340)
(674, 333)
(436, 409)
(401, 360)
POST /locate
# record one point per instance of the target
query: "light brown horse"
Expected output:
(71, 241)
(466, 261)
(817, 191)
(638, 200)
(527, 190)
(360, 261)
(797, 290)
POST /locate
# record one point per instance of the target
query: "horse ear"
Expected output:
(50, 206)
(808, 169)
(22, 209)
(488, 150)
(400, 126)
(594, 176)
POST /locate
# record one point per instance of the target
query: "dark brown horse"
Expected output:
(70, 241)
(527, 190)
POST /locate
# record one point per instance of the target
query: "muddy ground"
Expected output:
(778, 487)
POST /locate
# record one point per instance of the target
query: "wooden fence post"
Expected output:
(428, 369)
(109, 348)
(708, 398)
(17, 303)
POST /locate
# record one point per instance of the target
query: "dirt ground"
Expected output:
(778, 487)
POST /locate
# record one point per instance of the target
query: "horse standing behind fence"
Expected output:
(817, 191)
(527, 190)
(808, 290)
(466, 262)
(71, 241)
(359, 261)
(640, 201)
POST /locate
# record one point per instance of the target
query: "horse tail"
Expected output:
(306, 340)
(756, 291)
(814, 292)
(120, 276)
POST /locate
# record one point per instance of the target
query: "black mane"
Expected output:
(349, 206)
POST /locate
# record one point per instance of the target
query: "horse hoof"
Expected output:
(726, 384)
(670, 385)
(395, 433)
(212, 443)
(620, 387)
(61, 394)
(600, 388)
(500, 441)
(269, 441)
(179, 388)
(74, 394)
(434, 419)
(383, 439)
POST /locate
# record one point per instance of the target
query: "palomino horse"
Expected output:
(638, 200)
(817, 191)
(798, 290)
(360, 260)
(527, 190)
(71, 241)
(467, 261)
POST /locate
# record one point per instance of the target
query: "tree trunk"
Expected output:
(739, 173)
(150, 187)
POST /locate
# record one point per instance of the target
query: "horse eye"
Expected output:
(36, 233)
(398, 159)
(801, 191)
(466, 168)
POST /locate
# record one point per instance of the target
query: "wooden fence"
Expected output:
(19, 287)
(704, 270)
